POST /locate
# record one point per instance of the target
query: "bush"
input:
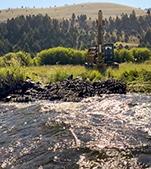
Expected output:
(123, 55)
(135, 55)
(140, 54)
(19, 59)
(61, 56)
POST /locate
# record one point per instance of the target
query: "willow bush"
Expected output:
(135, 55)
(61, 56)
(140, 55)
(16, 59)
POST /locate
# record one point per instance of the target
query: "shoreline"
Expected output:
(68, 90)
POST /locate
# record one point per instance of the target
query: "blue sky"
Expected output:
(46, 3)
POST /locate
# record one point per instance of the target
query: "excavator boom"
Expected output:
(103, 53)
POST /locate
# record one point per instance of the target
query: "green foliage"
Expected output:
(10, 77)
(36, 33)
(61, 56)
(58, 76)
(15, 72)
(19, 59)
(140, 54)
(130, 76)
(137, 76)
(134, 75)
(123, 55)
(47, 74)
(91, 75)
(135, 55)
(64, 56)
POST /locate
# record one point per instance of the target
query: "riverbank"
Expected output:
(70, 90)
(137, 77)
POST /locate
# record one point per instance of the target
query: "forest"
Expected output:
(35, 33)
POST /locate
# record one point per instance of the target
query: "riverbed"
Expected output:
(110, 131)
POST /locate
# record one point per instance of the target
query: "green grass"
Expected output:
(137, 76)
(127, 67)
(47, 74)
(9, 78)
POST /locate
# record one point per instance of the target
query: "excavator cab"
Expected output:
(108, 53)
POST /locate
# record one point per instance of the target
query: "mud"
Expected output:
(67, 90)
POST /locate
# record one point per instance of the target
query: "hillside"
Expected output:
(90, 9)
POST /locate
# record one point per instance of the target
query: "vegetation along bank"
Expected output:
(20, 66)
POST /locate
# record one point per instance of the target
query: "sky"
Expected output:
(4, 4)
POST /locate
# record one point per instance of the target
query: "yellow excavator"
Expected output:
(101, 55)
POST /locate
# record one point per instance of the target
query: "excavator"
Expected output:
(101, 55)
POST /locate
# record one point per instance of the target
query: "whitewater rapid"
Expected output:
(111, 131)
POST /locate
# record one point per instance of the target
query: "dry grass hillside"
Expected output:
(90, 9)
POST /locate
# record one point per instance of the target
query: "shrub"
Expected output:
(123, 55)
(19, 59)
(136, 55)
(61, 56)
(140, 54)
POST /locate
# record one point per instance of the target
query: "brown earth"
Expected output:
(67, 90)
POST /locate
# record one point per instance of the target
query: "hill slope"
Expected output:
(90, 9)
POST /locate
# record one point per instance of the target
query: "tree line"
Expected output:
(35, 33)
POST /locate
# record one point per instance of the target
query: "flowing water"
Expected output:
(112, 131)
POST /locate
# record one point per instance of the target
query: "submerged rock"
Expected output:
(67, 90)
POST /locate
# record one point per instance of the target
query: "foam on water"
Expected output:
(75, 135)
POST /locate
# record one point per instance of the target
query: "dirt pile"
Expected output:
(67, 90)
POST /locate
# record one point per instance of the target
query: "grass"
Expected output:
(46, 74)
(10, 78)
(137, 76)
(127, 67)
(90, 9)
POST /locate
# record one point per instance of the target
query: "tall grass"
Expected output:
(127, 67)
(10, 78)
(46, 74)
(136, 76)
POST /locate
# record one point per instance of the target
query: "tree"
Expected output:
(147, 38)
(148, 12)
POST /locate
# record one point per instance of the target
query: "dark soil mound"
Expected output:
(67, 90)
